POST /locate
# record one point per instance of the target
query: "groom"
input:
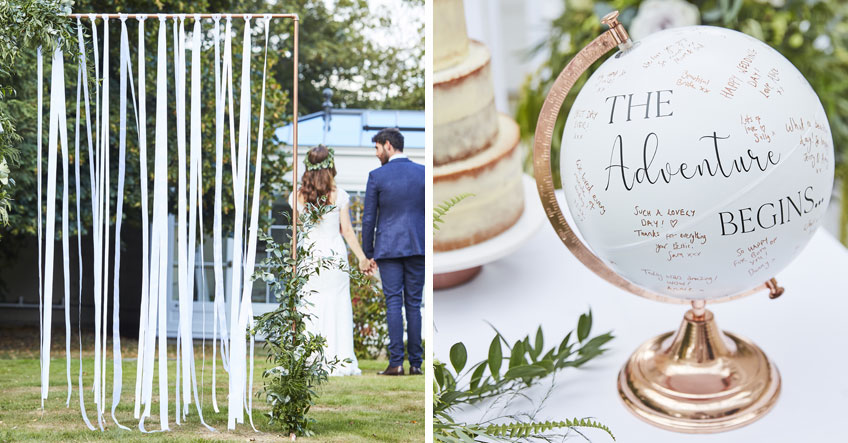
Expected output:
(394, 206)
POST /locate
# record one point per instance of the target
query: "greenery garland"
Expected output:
(299, 365)
(327, 163)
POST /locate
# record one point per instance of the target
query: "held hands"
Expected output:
(367, 266)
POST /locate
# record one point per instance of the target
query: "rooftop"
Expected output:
(355, 127)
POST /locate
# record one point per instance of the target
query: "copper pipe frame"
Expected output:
(186, 15)
(294, 146)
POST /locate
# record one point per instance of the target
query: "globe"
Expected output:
(698, 163)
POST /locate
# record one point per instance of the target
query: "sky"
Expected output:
(408, 18)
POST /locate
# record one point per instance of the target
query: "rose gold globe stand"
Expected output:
(700, 379)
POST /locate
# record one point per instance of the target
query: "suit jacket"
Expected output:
(393, 218)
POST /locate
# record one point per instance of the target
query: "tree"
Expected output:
(24, 26)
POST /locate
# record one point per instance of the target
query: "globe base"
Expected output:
(699, 380)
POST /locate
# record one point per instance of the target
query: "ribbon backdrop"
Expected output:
(152, 342)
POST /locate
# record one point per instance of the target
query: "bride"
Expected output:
(332, 314)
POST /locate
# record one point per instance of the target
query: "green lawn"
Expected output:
(350, 409)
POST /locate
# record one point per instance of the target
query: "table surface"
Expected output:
(804, 332)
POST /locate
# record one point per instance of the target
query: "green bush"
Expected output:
(370, 332)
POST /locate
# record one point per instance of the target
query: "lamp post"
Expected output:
(328, 107)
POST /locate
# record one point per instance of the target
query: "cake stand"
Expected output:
(453, 268)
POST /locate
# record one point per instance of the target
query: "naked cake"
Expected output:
(475, 147)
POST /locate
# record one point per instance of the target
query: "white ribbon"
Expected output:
(57, 103)
(96, 226)
(216, 227)
(194, 169)
(82, 80)
(40, 88)
(247, 304)
(58, 128)
(125, 65)
(66, 261)
(105, 199)
(196, 192)
(178, 412)
(237, 340)
(145, 228)
(203, 290)
(179, 74)
(161, 182)
(227, 95)
(159, 246)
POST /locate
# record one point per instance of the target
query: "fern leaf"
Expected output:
(441, 209)
(523, 430)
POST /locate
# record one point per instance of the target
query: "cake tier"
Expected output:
(464, 118)
(450, 40)
(494, 177)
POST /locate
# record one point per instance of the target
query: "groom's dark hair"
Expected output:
(392, 135)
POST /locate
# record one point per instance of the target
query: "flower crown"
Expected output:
(325, 164)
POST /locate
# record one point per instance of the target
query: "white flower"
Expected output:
(822, 43)
(656, 15)
(4, 172)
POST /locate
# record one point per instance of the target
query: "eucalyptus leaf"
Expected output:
(564, 344)
(495, 357)
(540, 341)
(439, 374)
(458, 356)
(584, 326)
(547, 365)
(525, 371)
(516, 358)
(477, 375)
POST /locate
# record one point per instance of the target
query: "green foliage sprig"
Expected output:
(513, 430)
(503, 375)
(790, 26)
(297, 355)
(517, 431)
(440, 210)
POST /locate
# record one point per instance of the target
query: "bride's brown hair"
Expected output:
(318, 183)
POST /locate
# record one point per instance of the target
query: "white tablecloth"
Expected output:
(805, 333)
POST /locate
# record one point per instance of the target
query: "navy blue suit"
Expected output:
(393, 235)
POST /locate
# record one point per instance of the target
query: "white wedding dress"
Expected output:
(332, 313)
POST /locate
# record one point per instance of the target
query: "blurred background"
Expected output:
(532, 40)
